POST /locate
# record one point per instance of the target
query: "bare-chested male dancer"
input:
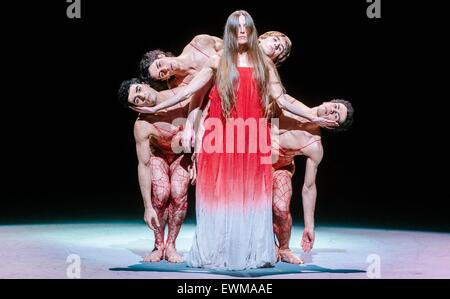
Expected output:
(157, 66)
(292, 137)
(163, 174)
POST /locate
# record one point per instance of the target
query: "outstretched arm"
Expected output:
(297, 103)
(142, 137)
(314, 153)
(277, 92)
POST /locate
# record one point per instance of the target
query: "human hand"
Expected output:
(151, 218)
(308, 239)
(188, 139)
(193, 171)
(324, 122)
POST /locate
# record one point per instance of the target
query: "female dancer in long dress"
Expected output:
(234, 188)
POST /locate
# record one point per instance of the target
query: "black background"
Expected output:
(68, 148)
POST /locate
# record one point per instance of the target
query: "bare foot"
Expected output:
(288, 256)
(155, 256)
(277, 253)
(172, 256)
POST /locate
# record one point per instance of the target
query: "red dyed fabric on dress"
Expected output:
(234, 185)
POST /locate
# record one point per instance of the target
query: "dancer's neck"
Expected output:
(183, 65)
(242, 60)
(314, 111)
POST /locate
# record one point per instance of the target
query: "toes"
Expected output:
(154, 257)
(290, 257)
(175, 259)
(150, 260)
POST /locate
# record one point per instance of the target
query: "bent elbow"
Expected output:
(144, 163)
(308, 188)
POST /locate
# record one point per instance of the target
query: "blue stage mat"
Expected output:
(280, 268)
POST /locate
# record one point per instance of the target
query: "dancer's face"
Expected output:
(141, 95)
(163, 68)
(273, 46)
(333, 111)
(242, 33)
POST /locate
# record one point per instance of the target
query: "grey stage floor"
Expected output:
(115, 250)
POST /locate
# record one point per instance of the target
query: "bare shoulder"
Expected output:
(218, 43)
(203, 39)
(314, 149)
(142, 129)
(213, 61)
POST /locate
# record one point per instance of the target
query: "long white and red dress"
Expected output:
(234, 188)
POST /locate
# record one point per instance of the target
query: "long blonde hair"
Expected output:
(227, 78)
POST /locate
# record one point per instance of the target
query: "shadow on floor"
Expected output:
(280, 268)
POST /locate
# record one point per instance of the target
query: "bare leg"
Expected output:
(160, 201)
(177, 208)
(282, 219)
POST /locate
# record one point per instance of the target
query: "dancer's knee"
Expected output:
(160, 198)
(179, 184)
